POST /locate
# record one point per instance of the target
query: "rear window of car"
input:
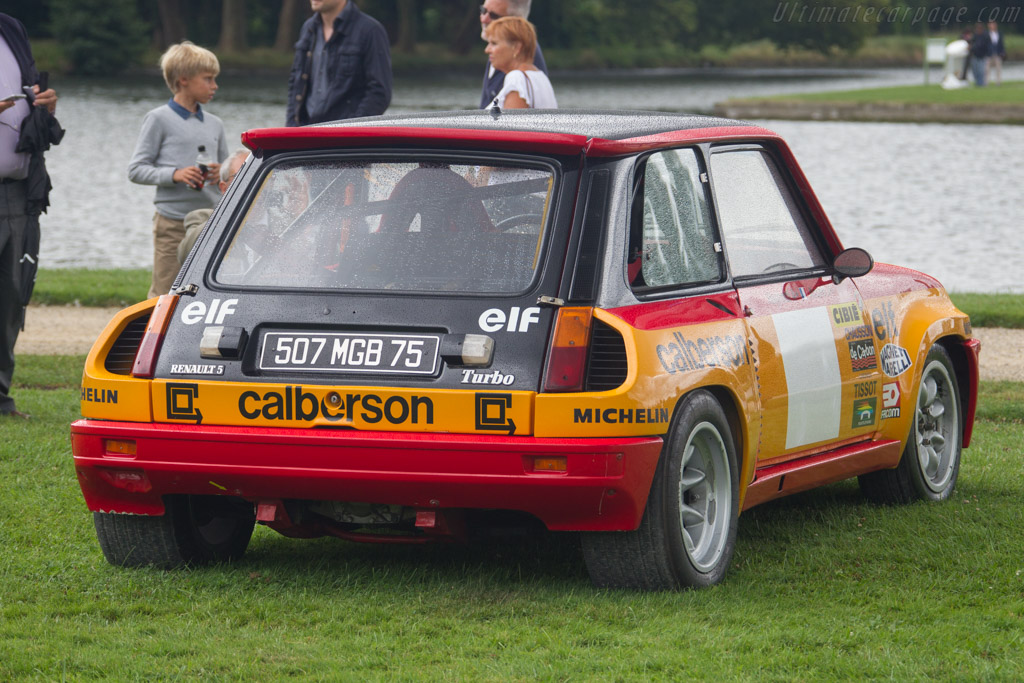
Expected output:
(419, 226)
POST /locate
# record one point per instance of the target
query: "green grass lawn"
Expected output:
(823, 586)
(1009, 93)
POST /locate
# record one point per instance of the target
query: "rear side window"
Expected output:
(672, 238)
(763, 228)
(404, 226)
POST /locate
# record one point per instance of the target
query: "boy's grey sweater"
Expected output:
(168, 142)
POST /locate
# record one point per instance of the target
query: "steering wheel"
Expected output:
(521, 219)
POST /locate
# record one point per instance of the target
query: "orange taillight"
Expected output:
(153, 339)
(567, 357)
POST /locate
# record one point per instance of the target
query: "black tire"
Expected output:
(930, 463)
(194, 531)
(688, 533)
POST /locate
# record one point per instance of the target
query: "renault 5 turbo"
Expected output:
(634, 326)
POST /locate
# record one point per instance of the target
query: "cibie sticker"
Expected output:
(895, 360)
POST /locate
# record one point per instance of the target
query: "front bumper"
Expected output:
(604, 487)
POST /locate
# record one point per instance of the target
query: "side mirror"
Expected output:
(852, 262)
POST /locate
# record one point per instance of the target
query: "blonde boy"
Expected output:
(166, 150)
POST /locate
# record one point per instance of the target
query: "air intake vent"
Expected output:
(607, 367)
(122, 354)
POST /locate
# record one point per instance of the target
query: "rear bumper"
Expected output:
(604, 487)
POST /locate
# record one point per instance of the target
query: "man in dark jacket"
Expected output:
(491, 10)
(19, 221)
(342, 66)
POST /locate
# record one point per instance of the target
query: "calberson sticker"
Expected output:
(684, 354)
(895, 360)
(196, 369)
(295, 403)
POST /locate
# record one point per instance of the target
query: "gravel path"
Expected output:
(56, 330)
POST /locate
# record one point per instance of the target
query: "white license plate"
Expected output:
(402, 354)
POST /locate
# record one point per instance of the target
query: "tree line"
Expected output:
(98, 36)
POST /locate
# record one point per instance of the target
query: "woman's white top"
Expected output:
(532, 86)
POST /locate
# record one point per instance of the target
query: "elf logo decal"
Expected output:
(493, 319)
(890, 400)
(493, 377)
(895, 360)
(181, 402)
(197, 312)
(863, 412)
(862, 355)
(884, 320)
(294, 403)
(491, 413)
(619, 415)
(845, 315)
(91, 395)
(709, 352)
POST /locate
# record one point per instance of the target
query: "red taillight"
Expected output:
(153, 339)
(567, 357)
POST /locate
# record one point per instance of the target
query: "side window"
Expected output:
(762, 226)
(672, 239)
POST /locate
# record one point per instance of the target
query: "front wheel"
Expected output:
(193, 531)
(930, 464)
(688, 532)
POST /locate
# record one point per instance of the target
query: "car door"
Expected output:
(815, 360)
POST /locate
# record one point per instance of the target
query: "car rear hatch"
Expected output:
(372, 289)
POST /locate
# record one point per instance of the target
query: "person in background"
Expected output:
(980, 47)
(195, 220)
(492, 10)
(165, 154)
(996, 53)
(511, 42)
(17, 72)
(342, 66)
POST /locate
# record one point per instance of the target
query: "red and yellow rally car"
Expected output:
(631, 325)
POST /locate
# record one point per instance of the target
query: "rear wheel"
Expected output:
(194, 530)
(930, 464)
(688, 532)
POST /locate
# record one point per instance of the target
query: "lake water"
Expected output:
(942, 198)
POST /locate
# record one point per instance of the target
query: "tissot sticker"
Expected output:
(890, 401)
(845, 315)
(196, 369)
(181, 402)
(619, 415)
(864, 389)
(862, 355)
(682, 354)
(863, 412)
(197, 311)
(491, 413)
(295, 403)
(895, 360)
(883, 319)
(492, 377)
(516, 320)
(91, 395)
